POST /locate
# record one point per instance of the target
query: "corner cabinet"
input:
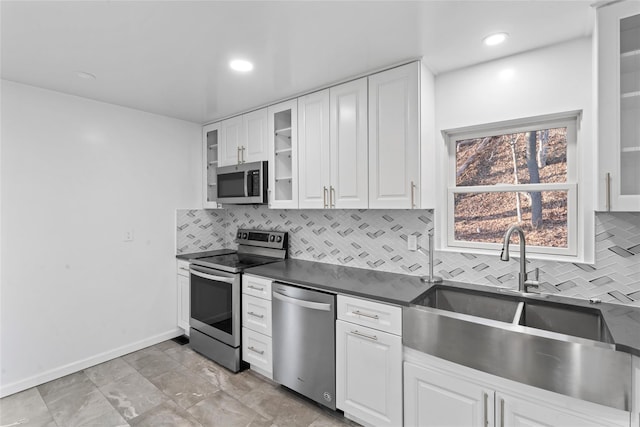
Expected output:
(210, 138)
(184, 291)
(394, 138)
(369, 361)
(438, 392)
(618, 98)
(283, 155)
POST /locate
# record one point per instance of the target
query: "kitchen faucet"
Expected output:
(523, 283)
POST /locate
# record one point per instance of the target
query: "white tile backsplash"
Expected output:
(377, 239)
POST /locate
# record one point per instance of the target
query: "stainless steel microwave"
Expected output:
(243, 184)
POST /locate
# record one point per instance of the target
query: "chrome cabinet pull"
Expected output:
(238, 153)
(360, 334)
(242, 154)
(608, 192)
(256, 288)
(259, 316)
(332, 197)
(370, 316)
(413, 198)
(486, 409)
(255, 350)
(501, 412)
(324, 197)
(185, 269)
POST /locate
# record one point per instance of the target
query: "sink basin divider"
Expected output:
(518, 314)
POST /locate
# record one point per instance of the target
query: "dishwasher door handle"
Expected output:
(302, 303)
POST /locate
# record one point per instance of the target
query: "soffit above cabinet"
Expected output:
(171, 58)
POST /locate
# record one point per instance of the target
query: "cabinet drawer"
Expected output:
(256, 286)
(256, 350)
(182, 267)
(384, 317)
(256, 314)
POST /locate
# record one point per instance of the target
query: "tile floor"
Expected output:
(163, 385)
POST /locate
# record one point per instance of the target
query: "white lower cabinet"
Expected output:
(442, 393)
(368, 373)
(256, 324)
(184, 292)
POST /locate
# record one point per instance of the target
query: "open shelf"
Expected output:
(284, 178)
(283, 151)
(284, 132)
(631, 150)
(630, 62)
(630, 100)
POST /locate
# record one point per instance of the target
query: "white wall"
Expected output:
(76, 174)
(545, 81)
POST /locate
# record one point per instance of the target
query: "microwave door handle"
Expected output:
(210, 277)
(246, 183)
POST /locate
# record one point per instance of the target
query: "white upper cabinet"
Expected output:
(230, 141)
(394, 142)
(244, 139)
(313, 150)
(256, 143)
(618, 77)
(283, 155)
(210, 139)
(349, 184)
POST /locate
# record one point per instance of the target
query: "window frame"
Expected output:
(569, 120)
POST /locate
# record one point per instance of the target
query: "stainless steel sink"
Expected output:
(576, 322)
(470, 303)
(563, 348)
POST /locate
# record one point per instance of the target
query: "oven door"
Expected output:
(215, 304)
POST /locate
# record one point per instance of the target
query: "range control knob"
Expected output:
(244, 235)
(239, 235)
(279, 239)
(272, 238)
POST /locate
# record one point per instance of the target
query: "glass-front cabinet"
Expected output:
(210, 137)
(283, 155)
(618, 106)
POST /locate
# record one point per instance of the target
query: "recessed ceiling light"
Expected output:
(241, 65)
(494, 39)
(86, 76)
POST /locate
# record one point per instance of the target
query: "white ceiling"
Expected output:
(171, 58)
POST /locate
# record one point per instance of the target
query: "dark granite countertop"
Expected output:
(204, 254)
(622, 321)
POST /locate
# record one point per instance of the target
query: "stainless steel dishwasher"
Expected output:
(304, 355)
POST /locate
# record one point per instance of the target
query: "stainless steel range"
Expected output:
(216, 291)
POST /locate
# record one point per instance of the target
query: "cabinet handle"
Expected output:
(242, 155)
(238, 153)
(324, 197)
(607, 179)
(413, 198)
(501, 412)
(360, 334)
(255, 350)
(332, 197)
(259, 316)
(256, 288)
(486, 409)
(185, 269)
(370, 316)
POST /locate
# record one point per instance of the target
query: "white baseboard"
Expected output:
(52, 374)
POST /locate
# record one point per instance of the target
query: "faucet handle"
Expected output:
(532, 283)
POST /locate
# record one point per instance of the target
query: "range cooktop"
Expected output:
(233, 262)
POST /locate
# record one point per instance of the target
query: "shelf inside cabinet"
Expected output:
(630, 100)
(284, 178)
(283, 150)
(630, 62)
(283, 132)
(631, 149)
(213, 147)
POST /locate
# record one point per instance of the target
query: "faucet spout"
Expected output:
(504, 256)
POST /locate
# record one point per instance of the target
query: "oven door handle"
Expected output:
(210, 277)
(302, 303)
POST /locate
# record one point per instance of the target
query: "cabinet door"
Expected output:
(256, 140)
(230, 141)
(618, 76)
(349, 187)
(369, 374)
(183, 302)
(210, 138)
(283, 155)
(394, 144)
(313, 150)
(517, 412)
(432, 398)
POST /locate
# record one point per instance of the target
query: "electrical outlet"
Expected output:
(412, 242)
(128, 236)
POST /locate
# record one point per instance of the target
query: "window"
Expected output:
(520, 172)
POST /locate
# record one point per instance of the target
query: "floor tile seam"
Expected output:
(111, 404)
(47, 406)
